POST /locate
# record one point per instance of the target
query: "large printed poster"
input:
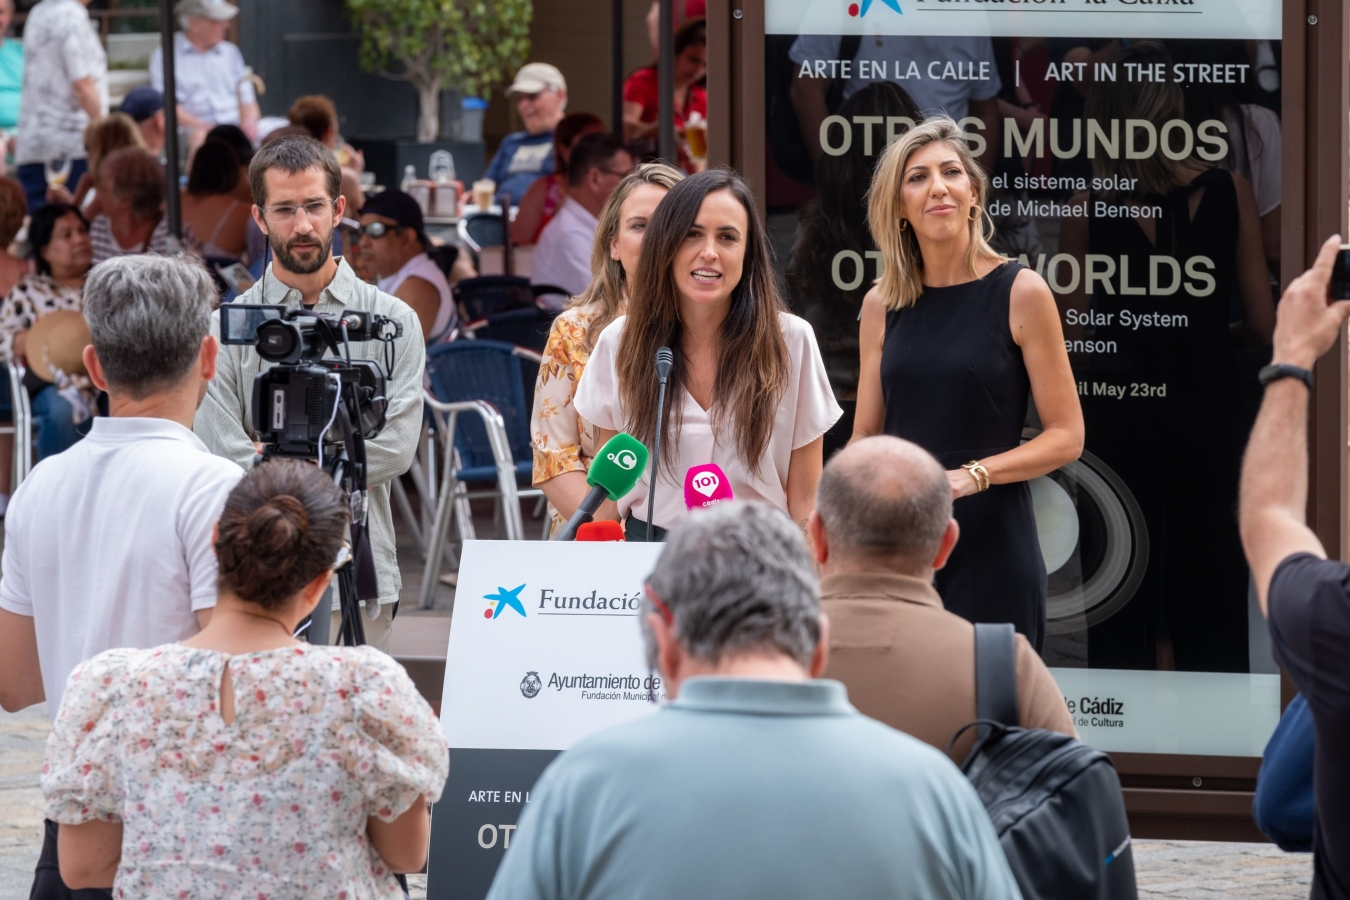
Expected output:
(1134, 154)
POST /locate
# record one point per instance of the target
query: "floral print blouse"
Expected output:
(272, 805)
(563, 441)
(32, 298)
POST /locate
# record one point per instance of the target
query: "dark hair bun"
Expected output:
(282, 526)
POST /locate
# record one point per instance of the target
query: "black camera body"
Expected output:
(309, 405)
(299, 401)
(293, 405)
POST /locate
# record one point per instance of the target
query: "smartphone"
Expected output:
(1340, 275)
(237, 276)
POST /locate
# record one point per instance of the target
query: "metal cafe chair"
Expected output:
(481, 415)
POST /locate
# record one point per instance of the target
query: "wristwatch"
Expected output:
(1276, 371)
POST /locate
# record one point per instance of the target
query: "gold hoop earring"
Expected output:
(904, 224)
(975, 213)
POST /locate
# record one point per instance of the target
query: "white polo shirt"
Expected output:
(109, 543)
(562, 256)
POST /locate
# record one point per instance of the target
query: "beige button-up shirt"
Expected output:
(911, 664)
(225, 419)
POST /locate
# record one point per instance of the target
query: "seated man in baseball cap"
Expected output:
(540, 93)
(146, 106)
(393, 241)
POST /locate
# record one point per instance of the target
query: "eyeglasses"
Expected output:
(377, 230)
(318, 210)
(624, 174)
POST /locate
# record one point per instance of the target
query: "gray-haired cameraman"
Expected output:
(297, 195)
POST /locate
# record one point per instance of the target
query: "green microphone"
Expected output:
(615, 470)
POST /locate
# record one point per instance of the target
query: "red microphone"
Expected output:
(706, 485)
(604, 530)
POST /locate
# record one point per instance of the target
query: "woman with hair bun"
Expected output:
(242, 762)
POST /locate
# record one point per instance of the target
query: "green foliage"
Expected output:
(468, 46)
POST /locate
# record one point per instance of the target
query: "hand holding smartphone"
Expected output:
(1339, 288)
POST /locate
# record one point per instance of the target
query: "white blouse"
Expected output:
(806, 411)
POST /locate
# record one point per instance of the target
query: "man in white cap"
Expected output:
(208, 70)
(541, 99)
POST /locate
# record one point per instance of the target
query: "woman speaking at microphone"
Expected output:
(953, 340)
(748, 390)
(564, 443)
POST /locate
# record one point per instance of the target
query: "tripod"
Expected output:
(355, 570)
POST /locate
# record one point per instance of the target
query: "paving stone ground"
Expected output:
(1170, 870)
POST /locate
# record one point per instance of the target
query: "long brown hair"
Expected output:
(609, 282)
(752, 361)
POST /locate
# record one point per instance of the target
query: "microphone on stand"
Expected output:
(665, 359)
(614, 471)
(706, 485)
(604, 530)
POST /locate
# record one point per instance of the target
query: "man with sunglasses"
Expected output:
(297, 198)
(562, 257)
(394, 243)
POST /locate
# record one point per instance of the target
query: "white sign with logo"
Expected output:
(1196, 713)
(1234, 19)
(545, 649)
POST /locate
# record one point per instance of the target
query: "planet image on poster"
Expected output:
(1093, 539)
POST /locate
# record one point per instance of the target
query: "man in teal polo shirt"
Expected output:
(758, 780)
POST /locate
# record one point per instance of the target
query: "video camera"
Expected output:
(298, 400)
(308, 405)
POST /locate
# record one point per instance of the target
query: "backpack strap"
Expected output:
(995, 674)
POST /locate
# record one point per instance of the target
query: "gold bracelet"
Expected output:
(979, 473)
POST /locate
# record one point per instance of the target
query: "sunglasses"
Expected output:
(377, 230)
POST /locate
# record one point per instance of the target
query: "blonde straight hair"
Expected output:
(901, 280)
(609, 284)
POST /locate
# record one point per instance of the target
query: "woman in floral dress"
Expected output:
(563, 442)
(242, 763)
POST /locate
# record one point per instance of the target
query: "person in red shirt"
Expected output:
(641, 99)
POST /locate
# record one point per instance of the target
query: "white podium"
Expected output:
(545, 649)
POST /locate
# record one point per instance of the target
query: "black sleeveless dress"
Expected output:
(953, 382)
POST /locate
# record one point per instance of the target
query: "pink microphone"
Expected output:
(706, 485)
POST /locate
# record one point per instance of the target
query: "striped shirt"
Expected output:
(162, 242)
(225, 418)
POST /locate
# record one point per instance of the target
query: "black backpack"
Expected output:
(1055, 802)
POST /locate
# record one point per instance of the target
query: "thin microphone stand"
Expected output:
(664, 360)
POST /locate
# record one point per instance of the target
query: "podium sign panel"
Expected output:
(1134, 159)
(545, 649)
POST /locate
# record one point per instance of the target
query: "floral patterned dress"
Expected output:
(563, 441)
(271, 805)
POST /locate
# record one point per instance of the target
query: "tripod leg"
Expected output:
(320, 621)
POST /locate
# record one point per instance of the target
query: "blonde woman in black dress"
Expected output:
(954, 340)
